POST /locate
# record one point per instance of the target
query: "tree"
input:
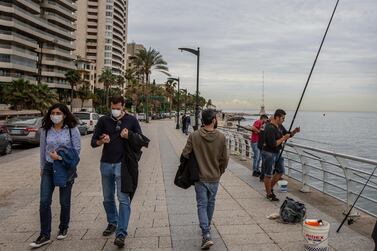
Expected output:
(73, 78)
(108, 79)
(84, 93)
(169, 86)
(148, 60)
(20, 94)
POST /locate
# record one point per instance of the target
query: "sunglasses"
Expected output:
(117, 128)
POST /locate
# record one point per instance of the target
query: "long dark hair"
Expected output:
(69, 119)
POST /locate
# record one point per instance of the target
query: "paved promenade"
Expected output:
(163, 216)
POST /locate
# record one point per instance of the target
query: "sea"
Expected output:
(350, 133)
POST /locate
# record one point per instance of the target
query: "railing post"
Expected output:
(350, 196)
(325, 175)
(305, 170)
(242, 148)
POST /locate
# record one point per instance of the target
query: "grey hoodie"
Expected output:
(210, 151)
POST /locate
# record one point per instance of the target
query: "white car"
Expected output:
(90, 118)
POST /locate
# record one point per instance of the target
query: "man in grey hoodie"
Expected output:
(209, 148)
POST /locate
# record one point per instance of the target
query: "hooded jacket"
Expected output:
(210, 151)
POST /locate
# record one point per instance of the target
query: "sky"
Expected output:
(241, 39)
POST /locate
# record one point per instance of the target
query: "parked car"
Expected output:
(90, 118)
(141, 116)
(5, 141)
(25, 129)
(82, 126)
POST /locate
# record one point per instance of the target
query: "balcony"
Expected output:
(61, 53)
(20, 52)
(19, 67)
(56, 19)
(68, 4)
(52, 6)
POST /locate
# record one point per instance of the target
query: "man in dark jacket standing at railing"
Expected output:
(209, 147)
(275, 135)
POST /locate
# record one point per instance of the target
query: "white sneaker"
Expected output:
(41, 241)
(62, 234)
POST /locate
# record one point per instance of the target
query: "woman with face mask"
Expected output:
(58, 132)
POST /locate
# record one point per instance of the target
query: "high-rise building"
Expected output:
(132, 49)
(102, 34)
(37, 40)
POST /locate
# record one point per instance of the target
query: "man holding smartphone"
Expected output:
(111, 131)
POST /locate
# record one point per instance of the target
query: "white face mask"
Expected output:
(116, 113)
(56, 119)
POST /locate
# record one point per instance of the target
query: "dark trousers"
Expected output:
(47, 189)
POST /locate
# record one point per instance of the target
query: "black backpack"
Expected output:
(292, 211)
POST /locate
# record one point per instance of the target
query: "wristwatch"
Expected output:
(60, 157)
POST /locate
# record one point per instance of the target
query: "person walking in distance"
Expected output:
(274, 136)
(209, 147)
(256, 128)
(59, 133)
(111, 132)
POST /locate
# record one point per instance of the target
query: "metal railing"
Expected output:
(336, 174)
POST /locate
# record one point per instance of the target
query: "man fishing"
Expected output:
(274, 136)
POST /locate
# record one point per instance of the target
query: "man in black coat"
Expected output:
(116, 133)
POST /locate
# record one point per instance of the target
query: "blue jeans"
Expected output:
(110, 175)
(257, 156)
(270, 164)
(205, 199)
(47, 189)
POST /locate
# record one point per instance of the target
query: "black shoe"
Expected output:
(62, 234)
(272, 192)
(272, 197)
(207, 242)
(256, 173)
(42, 240)
(109, 230)
(119, 241)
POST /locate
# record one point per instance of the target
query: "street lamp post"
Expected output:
(197, 53)
(178, 103)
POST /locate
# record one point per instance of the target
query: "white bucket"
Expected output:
(283, 186)
(316, 237)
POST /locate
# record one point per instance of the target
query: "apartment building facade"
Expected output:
(102, 27)
(37, 41)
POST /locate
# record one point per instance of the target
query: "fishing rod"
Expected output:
(310, 74)
(248, 129)
(354, 203)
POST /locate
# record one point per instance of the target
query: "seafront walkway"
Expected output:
(163, 216)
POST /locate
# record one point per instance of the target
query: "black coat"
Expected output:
(374, 233)
(187, 173)
(130, 162)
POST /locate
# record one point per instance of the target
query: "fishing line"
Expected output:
(310, 74)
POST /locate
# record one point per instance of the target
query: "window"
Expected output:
(107, 54)
(109, 14)
(109, 7)
(109, 27)
(108, 47)
(4, 58)
(108, 41)
(107, 61)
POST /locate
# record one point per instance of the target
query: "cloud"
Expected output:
(239, 39)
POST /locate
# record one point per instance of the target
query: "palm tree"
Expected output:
(73, 77)
(108, 79)
(21, 94)
(170, 86)
(84, 93)
(148, 60)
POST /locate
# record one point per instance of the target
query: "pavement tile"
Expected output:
(164, 242)
(246, 238)
(83, 245)
(149, 232)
